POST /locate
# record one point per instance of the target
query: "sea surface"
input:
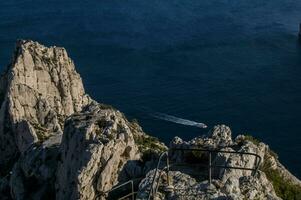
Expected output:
(209, 61)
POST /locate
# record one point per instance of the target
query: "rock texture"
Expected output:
(58, 143)
(41, 88)
(33, 175)
(233, 184)
(188, 188)
(55, 141)
(96, 145)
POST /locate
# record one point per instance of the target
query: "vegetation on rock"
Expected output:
(146, 142)
(285, 189)
(252, 139)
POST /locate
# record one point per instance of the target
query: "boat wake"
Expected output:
(178, 120)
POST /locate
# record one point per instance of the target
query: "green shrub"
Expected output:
(252, 139)
(148, 142)
(106, 106)
(135, 121)
(283, 188)
(41, 132)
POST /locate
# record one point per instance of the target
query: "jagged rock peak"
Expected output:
(51, 73)
(40, 88)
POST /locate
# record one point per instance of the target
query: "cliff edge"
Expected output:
(58, 143)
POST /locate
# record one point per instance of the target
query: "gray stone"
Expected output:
(57, 143)
(34, 173)
(41, 88)
(96, 144)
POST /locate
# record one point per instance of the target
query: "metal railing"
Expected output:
(131, 194)
(131, 182)
(210, 165)
(156, 171)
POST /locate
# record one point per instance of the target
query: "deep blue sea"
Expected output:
(211, 61)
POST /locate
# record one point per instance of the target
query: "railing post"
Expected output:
(133, 195)
(255, 163)
(151, 193)
(209, 168)
(167, 164)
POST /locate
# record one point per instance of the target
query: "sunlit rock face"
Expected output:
(39, 89)
(191, 183)
(58, 143)
(55, 141)
(96, 144)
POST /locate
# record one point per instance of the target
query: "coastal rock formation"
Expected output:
(58, 143)
(96, 145)
(55, 141)
(39, 89)
(186, 187)
(190, 182)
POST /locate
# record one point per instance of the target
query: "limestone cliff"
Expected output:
(58, 143)
(40, 88)
(55, 141)
(96, 145)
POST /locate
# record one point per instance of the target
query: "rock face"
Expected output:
(57, 143)
(186, 187)
(33, 174)
(227, 183)
(96, 145)
(40, 88)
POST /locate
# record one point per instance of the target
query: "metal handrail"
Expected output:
(156, 171)
(210, 165)
(128, 195)
(122, 185)
(154, 189)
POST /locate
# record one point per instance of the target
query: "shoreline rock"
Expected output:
(58, 143)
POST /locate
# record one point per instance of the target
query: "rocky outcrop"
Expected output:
(97, 143)
(226, 183)
(186, 187)
(39, 88)
(57, 143)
